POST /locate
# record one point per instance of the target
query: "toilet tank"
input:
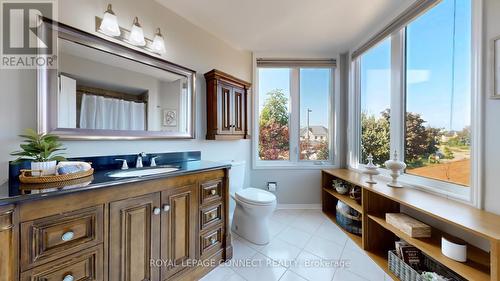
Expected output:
(236, 175)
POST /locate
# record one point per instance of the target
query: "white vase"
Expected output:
(48, 168)
(396, 168)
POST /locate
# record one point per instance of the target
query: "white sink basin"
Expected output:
(140, 173)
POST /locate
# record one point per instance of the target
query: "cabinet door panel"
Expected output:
(224, 97)
(134, 241)
(239, 106)
(178, 236)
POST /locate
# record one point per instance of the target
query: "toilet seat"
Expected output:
(256, 196)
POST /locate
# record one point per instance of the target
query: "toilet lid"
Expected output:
(255, 196)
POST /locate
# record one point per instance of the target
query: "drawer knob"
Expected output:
(212, 216)
(67, 236)
(166, 208)
(68, 277)
(213, 240)
(213, 192)
(156, 211)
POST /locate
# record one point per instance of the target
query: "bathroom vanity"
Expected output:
(157, 227)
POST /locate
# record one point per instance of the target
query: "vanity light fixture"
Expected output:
(158, 45)
(136, 34)
(109, 24)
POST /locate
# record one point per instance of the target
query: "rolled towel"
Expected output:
(70, 167)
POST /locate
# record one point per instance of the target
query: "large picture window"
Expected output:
(295, 105)
(414, 92)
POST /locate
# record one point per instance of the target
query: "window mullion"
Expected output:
(398, 86)
(294, 124)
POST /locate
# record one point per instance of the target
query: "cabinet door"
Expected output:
(134, 238)
(225, 114)
(178, 233)
(239, 107)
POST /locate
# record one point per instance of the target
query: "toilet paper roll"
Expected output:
(454, 249)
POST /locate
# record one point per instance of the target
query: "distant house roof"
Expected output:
(315, 130)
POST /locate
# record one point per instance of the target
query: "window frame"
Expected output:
(472, 194)
(294, 120)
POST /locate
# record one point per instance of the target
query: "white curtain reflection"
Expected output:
(103, 113)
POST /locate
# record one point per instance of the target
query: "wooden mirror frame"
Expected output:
(47, 87)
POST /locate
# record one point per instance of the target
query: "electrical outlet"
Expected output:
(272, 186)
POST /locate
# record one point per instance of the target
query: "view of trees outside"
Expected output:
(274, 137)
(437, 124)
(274, 113)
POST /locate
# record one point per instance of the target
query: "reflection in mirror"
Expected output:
(102, 91)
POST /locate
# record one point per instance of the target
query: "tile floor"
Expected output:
(305, 246)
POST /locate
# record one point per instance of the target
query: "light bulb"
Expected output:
(109, 24)
(136, 34)
(158, 45)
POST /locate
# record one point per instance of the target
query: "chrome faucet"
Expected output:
(124, 163)
(138, 162)
(153, 161)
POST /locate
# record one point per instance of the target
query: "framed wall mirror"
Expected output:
(100, 89)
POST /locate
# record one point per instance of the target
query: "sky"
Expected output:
(430, 83)
(431, 89)
(314, 91)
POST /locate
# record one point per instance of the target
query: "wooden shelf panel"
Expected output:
(346, 199)
(381, 259)
(355, 238)
(476, 268)
(476, 221)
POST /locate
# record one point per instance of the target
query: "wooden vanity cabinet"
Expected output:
(227, 114)
(145, 231)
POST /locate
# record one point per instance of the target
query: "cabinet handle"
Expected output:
(166, 208)
(68, 277)
(156, 211)
(213, 240)
(213, 191)
(67, 236)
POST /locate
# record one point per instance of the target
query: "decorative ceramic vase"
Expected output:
(371, 170)
(396, 168)
(47, 168)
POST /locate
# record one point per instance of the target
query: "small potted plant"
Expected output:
(41, 150)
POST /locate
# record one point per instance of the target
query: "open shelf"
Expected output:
(355, 238)
(476, 268)
(345, 198)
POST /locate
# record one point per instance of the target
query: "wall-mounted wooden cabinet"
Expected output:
(227, 113)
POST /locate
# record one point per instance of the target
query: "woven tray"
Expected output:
(26, 177)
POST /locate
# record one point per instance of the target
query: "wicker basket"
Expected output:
(348, 218)
(26, 177)
(406, 273)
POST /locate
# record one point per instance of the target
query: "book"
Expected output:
(412, 256)
(398, 245)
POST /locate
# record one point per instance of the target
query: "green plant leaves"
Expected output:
(39, 147)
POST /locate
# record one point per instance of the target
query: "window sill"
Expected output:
(292, 166)
(447, 190)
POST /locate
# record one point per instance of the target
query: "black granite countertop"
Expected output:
(100, 179)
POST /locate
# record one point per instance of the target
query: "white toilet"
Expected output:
(253, 207)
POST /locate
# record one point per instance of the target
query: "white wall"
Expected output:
(186, 45)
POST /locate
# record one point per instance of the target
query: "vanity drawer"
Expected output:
(50, 238)
(84, 266)
(211, 191)
(211, 215)
(211, 241)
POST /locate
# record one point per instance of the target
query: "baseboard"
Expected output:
(299, 206)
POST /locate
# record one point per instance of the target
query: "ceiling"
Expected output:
(289, 26)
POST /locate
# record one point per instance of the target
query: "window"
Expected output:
(375, 92)
(315, 89)
(274, 113)
(425, 112)
(294, 115)
(438, 93)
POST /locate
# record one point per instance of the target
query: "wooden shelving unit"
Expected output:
(379, 237)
